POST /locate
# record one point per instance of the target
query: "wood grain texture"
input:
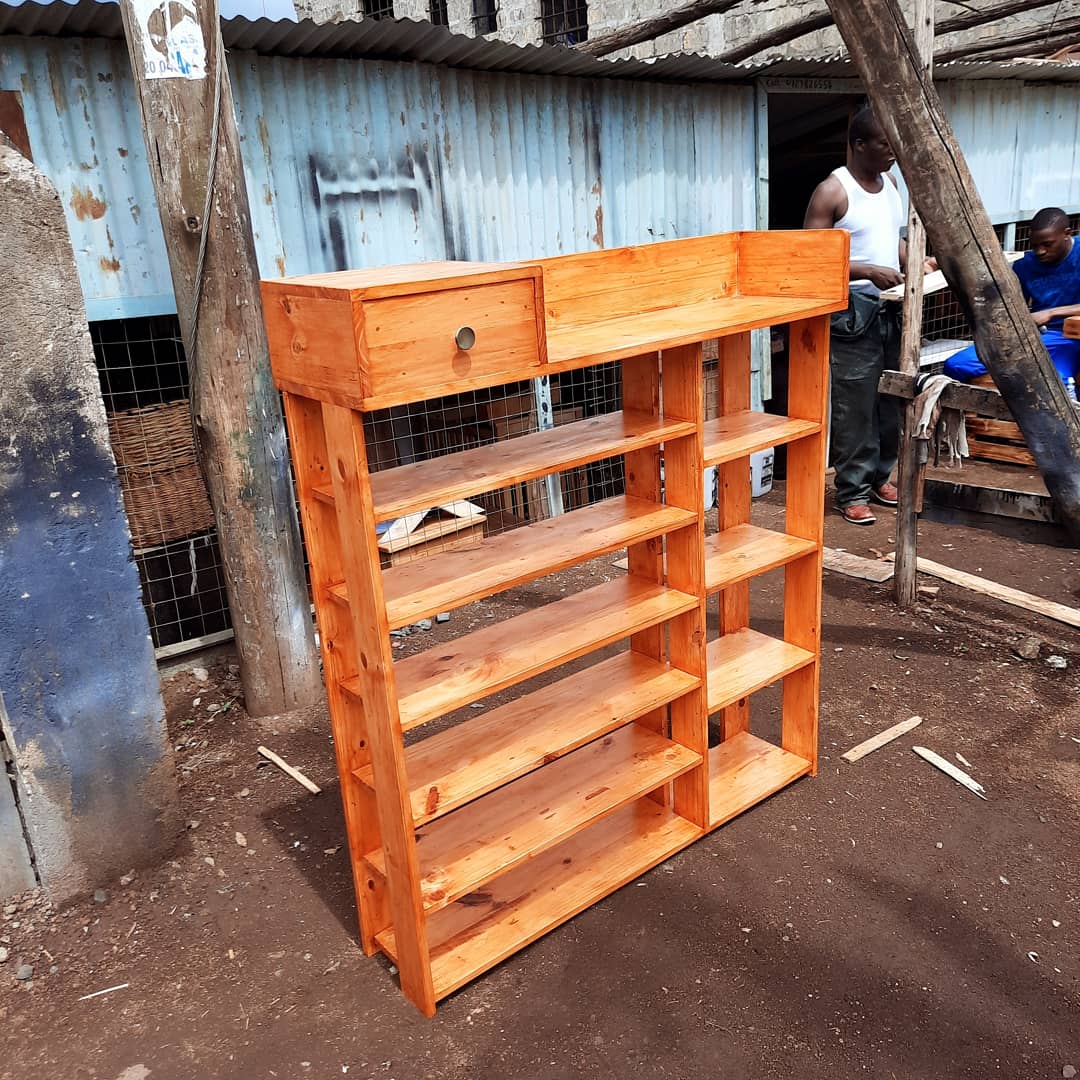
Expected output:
(641, 393)
(743, 662)
(745, 770)
(450, 579)
(743, 551)
(734, 492)
(793, 263)
(460, 672)
(487, 926)
(311, 467)
(492, 835)
(744, 433)
(808, 358)
(374, 686)
(424, 484)
(682, 372)
(453, 767)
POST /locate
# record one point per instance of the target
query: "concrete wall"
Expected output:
(83, 716)
(519, 22)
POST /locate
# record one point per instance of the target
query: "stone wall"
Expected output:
(519, 22)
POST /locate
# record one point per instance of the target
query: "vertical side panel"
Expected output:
(734, 506)
(807, 393)
(641, 393)
(378, 688)
(311, 469)
(683, 469)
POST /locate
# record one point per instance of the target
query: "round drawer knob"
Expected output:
(465, 338)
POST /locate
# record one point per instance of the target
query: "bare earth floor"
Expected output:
(877, 920)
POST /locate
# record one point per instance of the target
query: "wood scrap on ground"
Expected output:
(286, 768)
(1007, 595)
(949, 769)
(843, 562)
(882, 738)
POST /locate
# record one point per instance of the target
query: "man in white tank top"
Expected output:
(865, 434)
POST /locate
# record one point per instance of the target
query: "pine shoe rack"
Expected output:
(469, 844)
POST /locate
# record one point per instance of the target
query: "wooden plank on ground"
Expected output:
(882, 738)
(1007, 595)
(856, 566)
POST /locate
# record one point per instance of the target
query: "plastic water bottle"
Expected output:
(1070, 388)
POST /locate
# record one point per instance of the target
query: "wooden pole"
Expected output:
(907, 510)
(185, 100)
(965, 245)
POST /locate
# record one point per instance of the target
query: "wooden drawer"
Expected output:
(367, 340)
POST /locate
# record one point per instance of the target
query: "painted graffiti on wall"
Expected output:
(355, 197)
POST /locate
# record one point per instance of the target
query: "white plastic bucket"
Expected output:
(761, 470)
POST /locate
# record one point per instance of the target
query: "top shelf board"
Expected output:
(372, 339)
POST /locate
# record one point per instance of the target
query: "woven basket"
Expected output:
(160, 477)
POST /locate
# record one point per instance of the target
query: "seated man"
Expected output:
(1050, 279)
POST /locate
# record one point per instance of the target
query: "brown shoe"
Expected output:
(858, 514)
(887, 494)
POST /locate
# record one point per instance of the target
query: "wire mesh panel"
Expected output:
(438, 13)
(144, 383)
(564, 22)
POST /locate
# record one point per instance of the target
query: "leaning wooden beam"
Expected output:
(976, 399)
(967, 249)
(653, 27)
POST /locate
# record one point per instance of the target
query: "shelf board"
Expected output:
(745, 550)
(744, 433)
(462, 671)
(741, 663)
(743, 770)
(492, 835)
(485, 927)
(450, 579)
(424, 484)
(599, 341)
(452, 768)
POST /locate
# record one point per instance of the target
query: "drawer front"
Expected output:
(409, 344)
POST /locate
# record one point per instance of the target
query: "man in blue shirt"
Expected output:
(1050, 279)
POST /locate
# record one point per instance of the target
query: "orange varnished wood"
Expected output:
(492, 748)
(377, 691)
(529, 812)
(733, 507)
(683, 470)
(808, 391)
(466, 849)
(340, 658)
(484, 928)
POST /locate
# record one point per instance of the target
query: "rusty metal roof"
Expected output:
(408, 39)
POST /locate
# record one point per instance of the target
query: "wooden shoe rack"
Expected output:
(471, 843)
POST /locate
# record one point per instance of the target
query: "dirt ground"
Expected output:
(877, 920)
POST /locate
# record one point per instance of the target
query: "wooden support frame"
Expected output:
(472, 842)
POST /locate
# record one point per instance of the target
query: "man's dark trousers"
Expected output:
(865, 426)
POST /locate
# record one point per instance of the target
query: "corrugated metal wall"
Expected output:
(362, 163)
(359, 163)
(1021, 140)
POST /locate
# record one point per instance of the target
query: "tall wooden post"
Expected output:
(185, 101)
(907, 510)
(965, 245)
